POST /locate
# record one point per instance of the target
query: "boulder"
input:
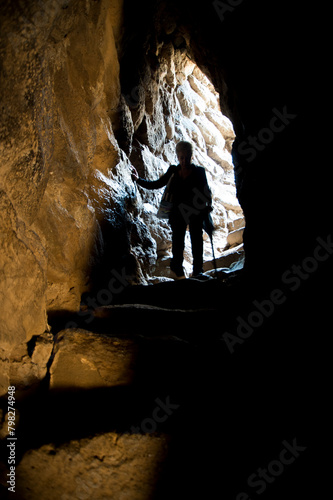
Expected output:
(237, 223)
(235, 237)
(26, 366)
(86, 360)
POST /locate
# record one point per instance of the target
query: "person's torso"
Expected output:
(185, 189)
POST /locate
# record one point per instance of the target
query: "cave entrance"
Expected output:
(178, 102)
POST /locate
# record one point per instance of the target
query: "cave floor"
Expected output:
(146, 401)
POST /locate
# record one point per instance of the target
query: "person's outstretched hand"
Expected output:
(134, 174)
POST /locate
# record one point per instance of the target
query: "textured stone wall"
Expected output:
(60, 93)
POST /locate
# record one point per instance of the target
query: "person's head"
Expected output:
(184, 152)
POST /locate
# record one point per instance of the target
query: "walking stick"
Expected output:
(214, 260)
(209, 228)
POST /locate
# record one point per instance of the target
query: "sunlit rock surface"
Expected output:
(107, 466)
(59, 97)
(181, 104)
(84, 360)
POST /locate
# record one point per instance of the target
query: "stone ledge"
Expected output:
(77, 365)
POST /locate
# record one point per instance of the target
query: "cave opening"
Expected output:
(163, 102)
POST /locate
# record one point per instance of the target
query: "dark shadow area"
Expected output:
(234, 412)
(112, 251)
(169, 301)
(163, 368)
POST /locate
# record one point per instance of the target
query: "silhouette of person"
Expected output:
(191, 203)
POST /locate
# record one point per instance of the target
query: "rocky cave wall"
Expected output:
(71, 125)
(60, 92)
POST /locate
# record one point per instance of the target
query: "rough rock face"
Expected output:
(107, 466)
(58, 102)
(76, 365)
(69, 131)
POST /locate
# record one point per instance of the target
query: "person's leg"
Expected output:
(178, 227)
(197, 243)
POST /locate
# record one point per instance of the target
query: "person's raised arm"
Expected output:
(162, 181)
